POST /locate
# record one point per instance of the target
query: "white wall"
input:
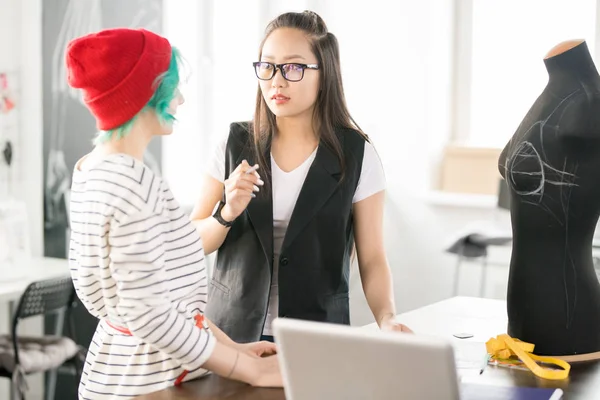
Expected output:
(220, 47)
(185, 148)
(10, 48)
(20, 55)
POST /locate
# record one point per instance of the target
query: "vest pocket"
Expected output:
(337, 308)
(337, 296)
(220, 286)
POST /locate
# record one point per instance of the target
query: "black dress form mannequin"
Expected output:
(552, 168)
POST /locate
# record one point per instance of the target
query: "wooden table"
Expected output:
(483, 318)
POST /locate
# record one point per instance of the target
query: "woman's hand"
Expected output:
(258, 349)
(267, 372)
(389, 323)
(240, 187)
(230, 363)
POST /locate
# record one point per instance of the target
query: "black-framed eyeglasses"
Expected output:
(292, 72)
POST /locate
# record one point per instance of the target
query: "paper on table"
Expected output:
(468, 355)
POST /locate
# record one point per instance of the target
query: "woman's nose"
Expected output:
(278, 80)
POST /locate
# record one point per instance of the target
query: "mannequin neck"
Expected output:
(575, 63)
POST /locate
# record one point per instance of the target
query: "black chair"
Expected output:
(57, 352)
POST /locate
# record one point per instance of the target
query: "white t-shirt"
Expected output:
(286, 188)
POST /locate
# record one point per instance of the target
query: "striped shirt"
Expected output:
(137, 262)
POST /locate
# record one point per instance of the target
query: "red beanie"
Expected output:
(117, 69)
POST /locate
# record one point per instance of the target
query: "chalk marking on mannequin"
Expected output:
(572, 315)
(547, 174)
(516, 152)
(564, 267)
(564, 180)
(526, 150)
(567, 199)
(543, 123)
(514, 161)
(519, 151)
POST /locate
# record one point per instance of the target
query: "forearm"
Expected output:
(231, 363)
(213, 234)
(379, 292)
(220, 335)
(166, 330)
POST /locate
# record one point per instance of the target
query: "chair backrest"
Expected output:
(45, 297)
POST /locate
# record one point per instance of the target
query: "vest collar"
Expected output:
(320, 183)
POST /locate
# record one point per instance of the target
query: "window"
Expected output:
(502, 60)
(219, 47)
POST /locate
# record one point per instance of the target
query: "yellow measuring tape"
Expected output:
(504, 347)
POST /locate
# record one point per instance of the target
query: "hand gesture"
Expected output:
(240, 188)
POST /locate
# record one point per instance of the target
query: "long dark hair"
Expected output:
(330, 111)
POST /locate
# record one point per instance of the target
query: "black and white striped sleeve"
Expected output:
(137, 251)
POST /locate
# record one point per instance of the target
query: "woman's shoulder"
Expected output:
(352, 140)
(128, 184)
(240, 137)
(240, 131)
(352, 135)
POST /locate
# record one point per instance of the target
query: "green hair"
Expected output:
(168, 84)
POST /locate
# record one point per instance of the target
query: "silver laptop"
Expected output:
(327, 361)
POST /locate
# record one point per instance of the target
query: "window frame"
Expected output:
(460, 129)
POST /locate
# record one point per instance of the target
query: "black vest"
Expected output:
(315, 256)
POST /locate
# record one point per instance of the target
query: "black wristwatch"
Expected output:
(219, 218)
